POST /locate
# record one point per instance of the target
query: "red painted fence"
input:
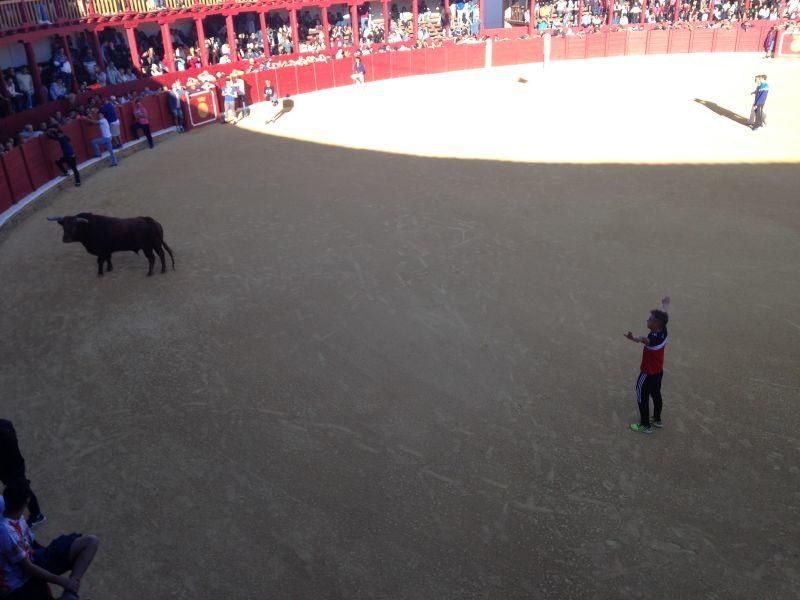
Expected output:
(30, 166)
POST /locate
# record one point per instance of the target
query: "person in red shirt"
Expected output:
(652, 368)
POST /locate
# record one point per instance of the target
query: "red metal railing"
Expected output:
(16, 14)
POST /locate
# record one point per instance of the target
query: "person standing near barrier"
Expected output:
(105, 136)
(12, 468)
(110, 113)
(757, 116)
(359, 72)
(652, 368)
(68, 158)
(229, 106)
(142, 122)
(238, 82)
(175, 107)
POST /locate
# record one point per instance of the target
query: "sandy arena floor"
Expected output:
(385, 376)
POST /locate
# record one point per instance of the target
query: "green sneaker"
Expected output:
(658, 424)
(641, 428)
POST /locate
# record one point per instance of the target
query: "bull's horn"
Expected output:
(59, 219)
(81, 220)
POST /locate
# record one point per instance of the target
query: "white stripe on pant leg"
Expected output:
(639, 385)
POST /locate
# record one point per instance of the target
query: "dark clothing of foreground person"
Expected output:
(12, 468)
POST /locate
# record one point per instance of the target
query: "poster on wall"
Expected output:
(789, 45)
(203, 107)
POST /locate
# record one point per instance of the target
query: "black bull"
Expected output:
(101, 236)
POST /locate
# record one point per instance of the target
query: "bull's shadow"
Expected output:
(722, 111)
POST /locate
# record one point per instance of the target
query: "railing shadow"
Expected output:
(722, 111)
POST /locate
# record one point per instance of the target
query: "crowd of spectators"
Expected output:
(553, 14)
(461, 24)
(85, 110)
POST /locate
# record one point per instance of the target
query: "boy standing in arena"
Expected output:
(757, 117)
(652, 368)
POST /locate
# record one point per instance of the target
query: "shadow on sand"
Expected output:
(713, 106)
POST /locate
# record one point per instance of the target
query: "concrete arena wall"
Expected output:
(30, 166)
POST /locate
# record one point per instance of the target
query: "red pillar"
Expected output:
(355, 26)
(644, 10)
(68, 54)
(415, 17)
(95, 40)
(201, 40)
(481, 7)
(90, 7)
(262, 23)
(610, 9)
(231, 37)
(580, 16)
(747, 9)
(676, 11)
(446, 9)
(169, 51)
(326, 33)
(33, 67)
(295, 30)
(711, 11)
(134, 49)
(782, 9)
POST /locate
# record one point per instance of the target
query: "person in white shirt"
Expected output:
(105, 136)
(25, 86)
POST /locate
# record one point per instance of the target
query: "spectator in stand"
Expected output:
(110, 113)
(90, 64)
(26, 567)
(141, 122)
(25, 86)
(113, 75)
(63, 67)
(17, 98)
(193, 60)
(97, 118)
(68, 158)
(12, 466)
(59, 92)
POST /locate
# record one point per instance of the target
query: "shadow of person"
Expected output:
(714, 107)
(287, 106)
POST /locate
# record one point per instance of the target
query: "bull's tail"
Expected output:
(168, 249)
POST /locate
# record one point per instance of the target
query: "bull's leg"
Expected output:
(151, 258)
(160, 252)
(109, 266)
(100, 260)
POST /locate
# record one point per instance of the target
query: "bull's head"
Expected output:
(73, 227)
